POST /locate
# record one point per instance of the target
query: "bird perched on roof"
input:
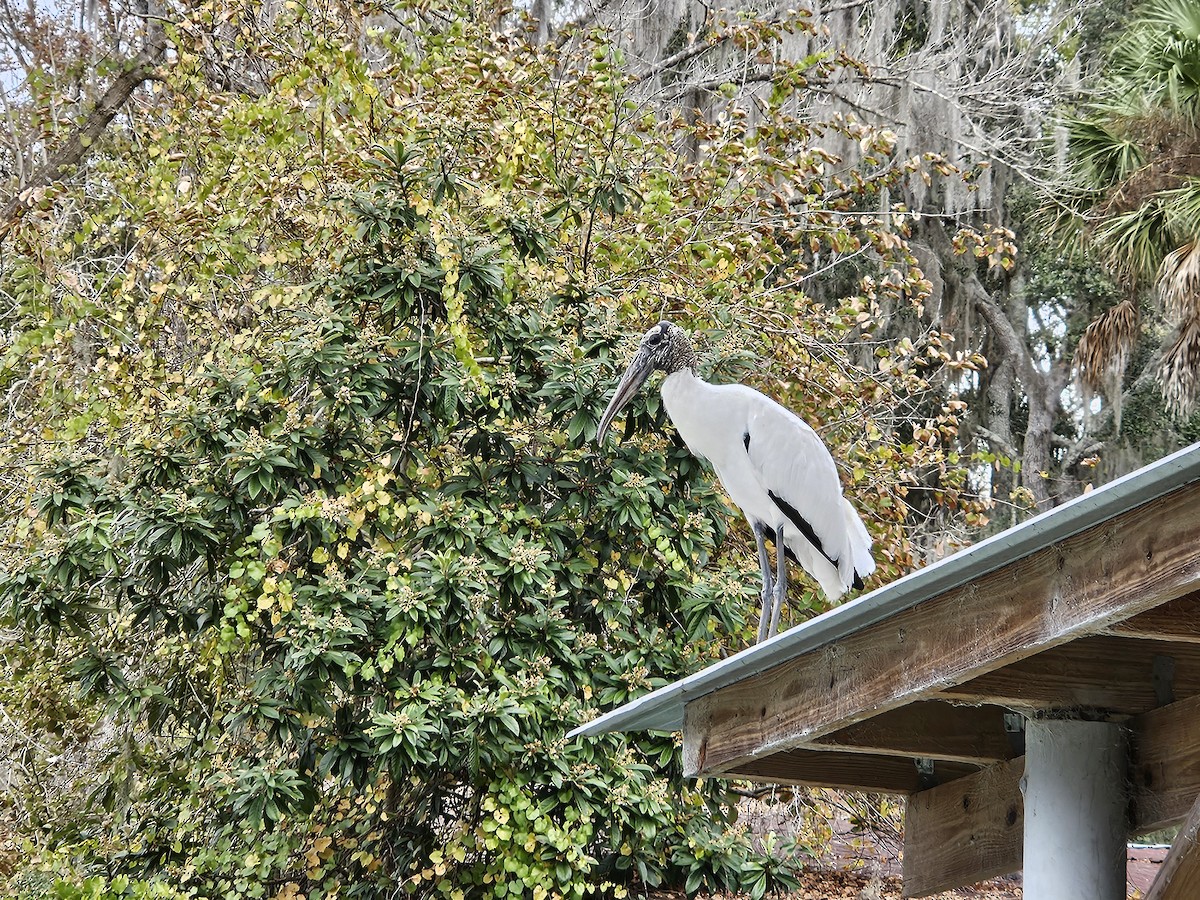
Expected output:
(772, 464)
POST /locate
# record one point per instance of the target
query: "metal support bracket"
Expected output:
(925, 777)
(1014, 730)
(1163, 677)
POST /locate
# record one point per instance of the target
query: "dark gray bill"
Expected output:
(637, 373)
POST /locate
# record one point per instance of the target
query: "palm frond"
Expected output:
(1134, 243)
(1183, 207)
(1180, 73)
(1181, 17)
(1180, 367)
(1103, 353)
(1159, 54)
(1179, 282)
(1099, 153)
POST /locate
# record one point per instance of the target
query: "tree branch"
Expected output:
(140, 69)
(693, 50)
(1002, 328)
(997, 442)
(687, 53)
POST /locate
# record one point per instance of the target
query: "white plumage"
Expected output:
(771, 463)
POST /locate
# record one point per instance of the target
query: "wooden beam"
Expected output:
(964, 831)
(930, 729)
(1080, 586)
(1178, 620)
(1165, 746)
(855, 771)
(1179, 877)
(1110, 674)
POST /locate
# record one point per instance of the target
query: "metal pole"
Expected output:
(1075, 810)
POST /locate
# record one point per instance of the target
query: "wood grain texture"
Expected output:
(1178, 620)
(964, 831)
(1179, 877)
(858, 771)
(1165, 748)
(931, 729)
(1108, 674)
(1078, 587)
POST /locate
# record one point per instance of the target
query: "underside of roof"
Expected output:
(923, 687)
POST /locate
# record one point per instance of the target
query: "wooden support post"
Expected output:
(1166, 763)
(964, 831)
(1075, 806)
(1179, 878)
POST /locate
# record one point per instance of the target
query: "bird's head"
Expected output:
(666, 346)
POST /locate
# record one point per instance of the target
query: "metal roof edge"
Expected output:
(662, 709)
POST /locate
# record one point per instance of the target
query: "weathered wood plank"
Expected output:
(1109, 674)
(931, 729)
(1179, 877)
(964, 831)
(1077, 587)
(1165, 748)
(858, 771)
(1178, 620)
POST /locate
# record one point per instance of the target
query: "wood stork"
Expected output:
(772, 464)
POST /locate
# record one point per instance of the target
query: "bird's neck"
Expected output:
(680, 355)
(683, 378)
(685, 367)
(689, 402)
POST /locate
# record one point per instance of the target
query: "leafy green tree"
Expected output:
(310, 563)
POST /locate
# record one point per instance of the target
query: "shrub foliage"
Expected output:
(312, 562)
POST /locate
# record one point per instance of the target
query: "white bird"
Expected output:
(771, 463)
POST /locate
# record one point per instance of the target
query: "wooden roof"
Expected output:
(1091, 610)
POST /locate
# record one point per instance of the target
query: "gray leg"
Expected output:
(780, 581)
(764, 563)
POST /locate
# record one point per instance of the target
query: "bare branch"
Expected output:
(687, 53)
(140, 69)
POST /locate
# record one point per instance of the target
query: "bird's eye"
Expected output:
(654, 337)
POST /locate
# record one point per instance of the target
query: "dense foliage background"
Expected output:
(310, 559)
